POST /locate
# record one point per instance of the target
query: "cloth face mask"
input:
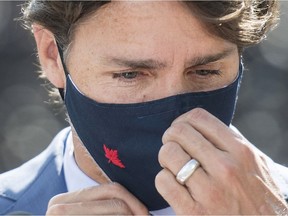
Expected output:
(124, 139)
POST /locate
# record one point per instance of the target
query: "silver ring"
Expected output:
(187, 170)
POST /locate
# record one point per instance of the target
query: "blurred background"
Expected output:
(28, 122)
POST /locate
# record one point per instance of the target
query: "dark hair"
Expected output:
(243, 22)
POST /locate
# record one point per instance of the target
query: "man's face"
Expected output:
(130, 52)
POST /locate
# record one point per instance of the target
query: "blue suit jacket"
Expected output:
(30, 187)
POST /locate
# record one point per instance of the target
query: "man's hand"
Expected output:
(105, 199)
(232, 178)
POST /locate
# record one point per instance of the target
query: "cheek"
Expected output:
(108, 92)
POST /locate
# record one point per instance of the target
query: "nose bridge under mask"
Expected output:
(180, 103)
(132, 133)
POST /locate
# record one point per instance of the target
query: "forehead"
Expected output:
(145, 28)
(138, 16)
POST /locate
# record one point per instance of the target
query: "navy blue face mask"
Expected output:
(124, 139)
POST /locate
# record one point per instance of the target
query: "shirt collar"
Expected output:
(74, 177)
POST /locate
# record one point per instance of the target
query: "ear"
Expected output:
(49, 56)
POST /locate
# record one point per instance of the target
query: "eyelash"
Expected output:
(130, 76)
(204, 72)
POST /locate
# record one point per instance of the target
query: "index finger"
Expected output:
(215, 131)
(101, 192)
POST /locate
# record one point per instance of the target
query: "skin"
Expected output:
(233, 178)
(132, 52)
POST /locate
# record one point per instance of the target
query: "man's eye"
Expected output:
(207, 72)
(126, 75)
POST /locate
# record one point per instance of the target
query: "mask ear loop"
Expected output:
(60, 51)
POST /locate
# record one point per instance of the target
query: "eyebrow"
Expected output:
(152, 64)
(202, 60)
(143, 64)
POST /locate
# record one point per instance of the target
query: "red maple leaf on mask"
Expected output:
(112, 155)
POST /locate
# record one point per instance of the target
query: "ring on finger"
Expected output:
(187, 170)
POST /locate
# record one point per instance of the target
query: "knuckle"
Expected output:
(115, 188)
(57, 209)
(228, 170)
(197, 114)
(175, 130)
(167, 152)
(160, 177)
(245, 151)
(161, 180)
(163, 186)
(120, 205)
(179, 128)
(54, 200)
